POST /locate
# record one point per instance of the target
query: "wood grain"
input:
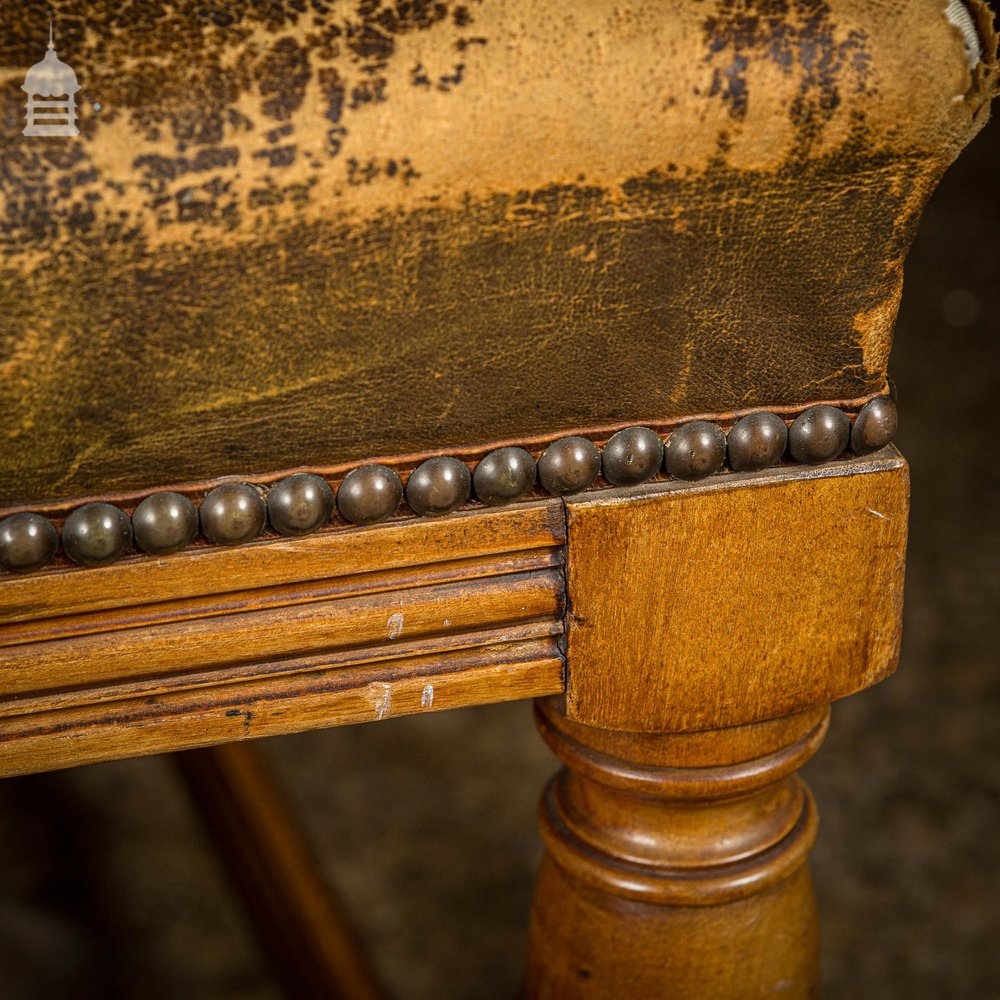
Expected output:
(666, 880)
(739, 599)
(283, 633)
(242, 709)
(342, 627)
(692, 606)
(332, 555)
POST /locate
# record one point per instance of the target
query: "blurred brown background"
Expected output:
(109, 889)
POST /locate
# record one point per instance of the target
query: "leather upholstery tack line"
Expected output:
(100, 533)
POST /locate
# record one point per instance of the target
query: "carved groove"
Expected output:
(222, 644)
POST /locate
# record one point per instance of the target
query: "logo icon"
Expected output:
(51, 87)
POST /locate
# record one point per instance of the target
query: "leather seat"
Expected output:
(339, 236)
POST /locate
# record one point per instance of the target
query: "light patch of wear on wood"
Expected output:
(394, 627)
(380, 695)
(427, 697)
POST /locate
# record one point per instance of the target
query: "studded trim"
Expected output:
(99, 533)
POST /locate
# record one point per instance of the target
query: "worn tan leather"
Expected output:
(301, 238)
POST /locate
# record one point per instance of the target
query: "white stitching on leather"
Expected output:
(958, 14)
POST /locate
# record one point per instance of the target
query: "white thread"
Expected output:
(958, 14)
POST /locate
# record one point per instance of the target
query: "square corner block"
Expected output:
(742, 598)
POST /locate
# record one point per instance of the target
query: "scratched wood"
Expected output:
(740, 599)
(349, 622)
(217, 645)
(315, 698)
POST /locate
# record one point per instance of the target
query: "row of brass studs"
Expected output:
(97, 534)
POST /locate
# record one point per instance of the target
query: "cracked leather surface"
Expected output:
(307, 234)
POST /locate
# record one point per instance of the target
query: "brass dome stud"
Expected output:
(504, 476)
(438, 486)
(232, 513)
(757, 441)
(695, 450)
(96, 534)
(569, 465)
(632, 456)
(28, 542)
(819, 435)
(875, 426)
(164, 523)
(369, 494)
(300, 504)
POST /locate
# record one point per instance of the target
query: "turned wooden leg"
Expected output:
(709, 628)
(676, 864)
